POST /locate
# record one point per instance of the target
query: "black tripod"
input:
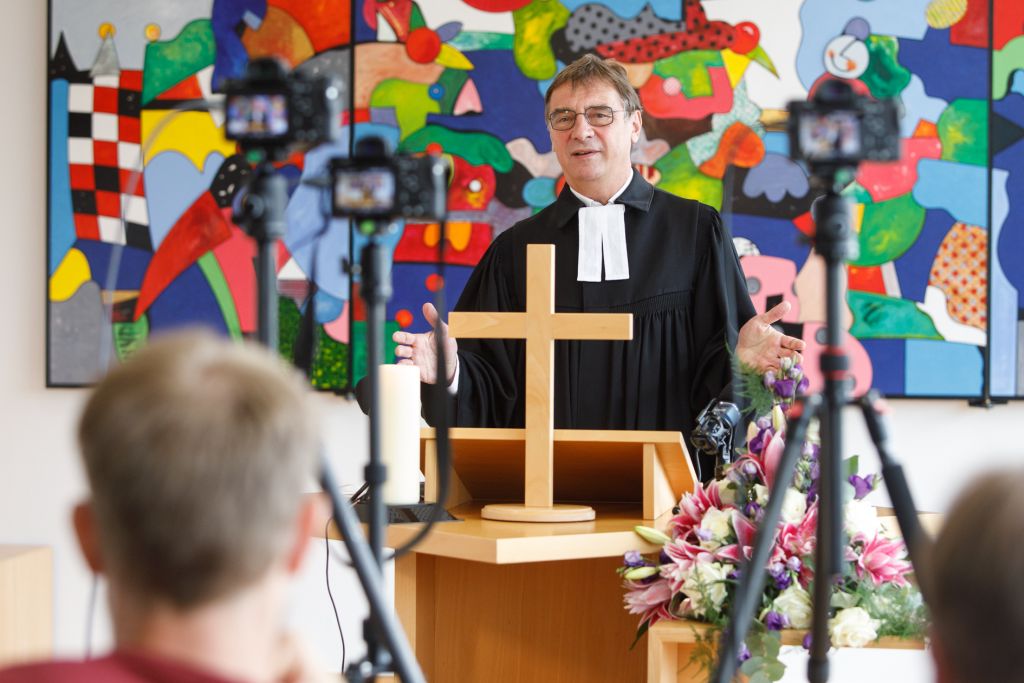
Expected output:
(835, 242)
(262, 213)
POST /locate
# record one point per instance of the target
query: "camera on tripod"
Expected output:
(269, 108)
(376, 185)
(840, 129)
(713, 432)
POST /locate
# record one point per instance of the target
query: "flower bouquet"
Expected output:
(695, 574)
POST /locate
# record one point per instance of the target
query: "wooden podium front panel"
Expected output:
(558, 622)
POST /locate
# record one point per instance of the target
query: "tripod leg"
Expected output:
(752, 577)
(899, 492)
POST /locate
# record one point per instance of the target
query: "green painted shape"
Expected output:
(963, 132)
(170, 62)
(222, 293)
(468, 41)
(452, 81)
(330, 367)
(681, 177)
(416, 19)
(411, 102)
(1004, 63)
(877, 316)
(474, 146)
(531, 47)
(129, 337)
(885, 76)
(691, 68)
(857, 193)
(359, 347)
(888, 229)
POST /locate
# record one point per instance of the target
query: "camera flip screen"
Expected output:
(830, 135)
(256, 116)
(364, 191)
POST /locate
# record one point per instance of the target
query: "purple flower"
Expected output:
(663, 558)
(769, 379)
(704, 534)
(807, 641)
(634, 559)
(752, 510)
(764, 422)
(756, 446)
(744, 653)
(794, 564)
(784, 388)
(862, 486)
(776, 621)
(780, 576)
(802, 387)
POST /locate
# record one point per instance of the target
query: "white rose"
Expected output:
(728, 495)
(860, 518)
(706, 586)
(719, 524)
(853, 627)
(794, 506)
(795, 603)
(762, 494)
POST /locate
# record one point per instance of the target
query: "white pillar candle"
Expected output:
(400, 432)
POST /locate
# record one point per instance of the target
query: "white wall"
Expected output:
(940, 442)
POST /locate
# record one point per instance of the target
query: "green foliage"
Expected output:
(749, 385)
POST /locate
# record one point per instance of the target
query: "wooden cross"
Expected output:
(540, 326)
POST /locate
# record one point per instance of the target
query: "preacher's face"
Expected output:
(594, 159)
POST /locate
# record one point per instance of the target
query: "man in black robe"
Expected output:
(621, 246)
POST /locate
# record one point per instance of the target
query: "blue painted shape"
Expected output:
(948, 71)
(390, 134)
(1017, 84)
(773, 236)
(918, 105)
(317, 241)
(539, 192)
(1008, 220)
(232, 57)
(1011, 107)
(961, 368)
(363, 32)
(776, 143)
(1004, 302)
(131, 263)
(504, 117)
(826, 19)
(411, 290)
(173, 184)
(887, 364)
(627, 9)
(913, 268)
(775, 177)
(62, 219)
(328, 307)
(958, 188)
(187, 301)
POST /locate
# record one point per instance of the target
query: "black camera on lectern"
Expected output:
(375, 185)
(270, 108)
(840, 129)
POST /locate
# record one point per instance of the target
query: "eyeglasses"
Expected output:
(565, 119)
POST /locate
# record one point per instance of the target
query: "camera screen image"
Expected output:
(256, 116)
(829, 136)
(365, 191)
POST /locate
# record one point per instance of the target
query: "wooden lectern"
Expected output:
(539, 461)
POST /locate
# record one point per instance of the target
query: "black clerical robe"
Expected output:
(686, 292)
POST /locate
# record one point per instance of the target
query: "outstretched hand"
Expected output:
(761, 346)
(421, 350)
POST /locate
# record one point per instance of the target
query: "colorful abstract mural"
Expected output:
(141, 236)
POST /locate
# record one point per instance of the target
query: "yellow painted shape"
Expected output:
(72, 273)
(453, 58)
(944, 13)
(735, 65)
(458, 234)
(858, 217)
(191, 133)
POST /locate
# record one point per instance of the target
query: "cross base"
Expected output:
(511, 512)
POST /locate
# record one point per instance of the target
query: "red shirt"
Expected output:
(117, 667)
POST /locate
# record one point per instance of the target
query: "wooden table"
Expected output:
(493, 601)
(26, 603)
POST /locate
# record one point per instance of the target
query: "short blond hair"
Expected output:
(197, 451)
(974, 576)
(590, 68)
